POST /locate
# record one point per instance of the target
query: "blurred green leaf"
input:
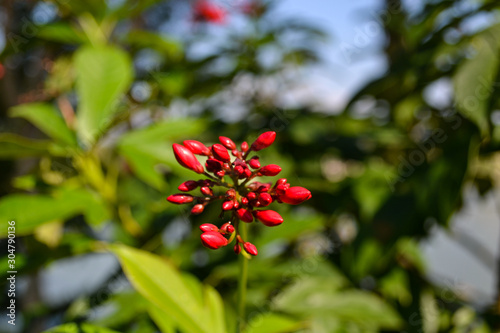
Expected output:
(147, 147)
(103, 75)
(164, 323)
(160, 283)
(373, 187)
(474, 78)
(309, 299)
(43, 209)
(15, 146)
(79, 328)
(62, 33)
(47, 118)
(272, 323)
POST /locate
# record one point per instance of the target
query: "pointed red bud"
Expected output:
(197, 209)
(281, 181)
(250, 248)
(270, 170)
(295, 195)
(227, 142)
(244, 146)
(245, 215)
(237, 248)
(188, 186)
(220, 173)
(227, 205)
(180, 198)
(197, 147)
(213, 240)
(186, 158)
(254, 162)
(248, 173)
(220, 152)
(269, 217)
(244, 201)
(208, 227)
(206, 191)
(263, 141)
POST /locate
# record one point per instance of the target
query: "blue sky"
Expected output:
(352, 56)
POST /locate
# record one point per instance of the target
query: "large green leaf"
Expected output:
(474, 79)
(103, 75)
(79, 328)
(147, 147)
(160, 283)
(46, 118)
(31, 211)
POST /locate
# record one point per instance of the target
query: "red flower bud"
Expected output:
(248, 173)
(220, 173)
(244, 146)
(251, 196)
(220, 153)
(213, 165)
(263, 141)
(245, 215)
(295, 195)
(250, 248)
(237, 248)
(269, 217)
(227, 205)
(244, 201)
(265, 199)
(270, 170)
(254, 163)
(205, 10)
(227, 228)
(227, 142)
(206, 191)
(186, 158)
(281, 181)
(197, 147)
(188, 186)
(205, 227)
(213, 240)
(197, 209)
(180, 198)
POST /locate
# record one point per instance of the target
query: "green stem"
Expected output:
(242, 281)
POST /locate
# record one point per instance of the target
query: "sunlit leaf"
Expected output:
(103, 75)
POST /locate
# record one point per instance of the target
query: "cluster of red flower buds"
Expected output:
(245, 199)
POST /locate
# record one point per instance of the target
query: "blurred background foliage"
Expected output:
(94, 93)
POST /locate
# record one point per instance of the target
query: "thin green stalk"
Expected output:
(242, 281)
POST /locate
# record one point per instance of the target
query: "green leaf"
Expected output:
(160, 283)
(48, 119)
(44, 209)
(373, 188)
(474, 79)
(15, 146)
(62, 33)
(103, 75)
(309, 299)
(79, 328)
(164, 323)
(147, 147)
(272, 323)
